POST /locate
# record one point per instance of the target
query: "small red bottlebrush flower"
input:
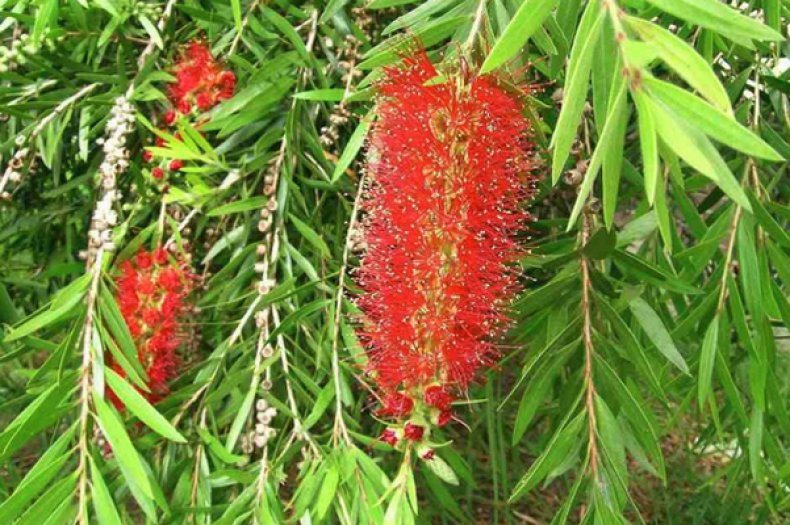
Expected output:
(413, 432)
(176, 165)
(389, 437)
(200, 79)
(157, 173)
(170, 117)
(147, 156)
(429, 454)
(151, 297)
(449, 169)
(396, 404)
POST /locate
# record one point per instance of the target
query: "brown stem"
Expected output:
(588, 352)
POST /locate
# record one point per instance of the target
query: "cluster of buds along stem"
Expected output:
(116, 161)
(347, 57)
(23, 47)
(13, 171)
(263, 432)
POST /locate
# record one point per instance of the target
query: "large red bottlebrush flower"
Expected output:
(449, 169)
(152, 295)
(200, 80)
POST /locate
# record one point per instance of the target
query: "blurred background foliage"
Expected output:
(645, 377)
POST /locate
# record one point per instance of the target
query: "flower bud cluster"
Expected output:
(116, 161)
(22, 48)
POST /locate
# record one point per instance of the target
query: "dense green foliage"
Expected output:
(645, 377)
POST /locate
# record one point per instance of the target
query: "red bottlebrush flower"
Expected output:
(200, 78)
(429, 454)
(396, 404)
(445, 416)
(160, 142)
(389, 437)
(151, 293)
(413, 432)
(437, 397)
(157, 173)
(147, 156)
(176, 165)
(449, 168)
(170, 117)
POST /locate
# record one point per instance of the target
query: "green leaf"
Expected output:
(656, 331)
(528, 18)
(310, 236)
(106, 513)
(555, 451)
(601, 244)
(442, 470)
(695, 148)
(353, 146)
(719, 17)
(648, 142)
(66, 299)
(684, 60)
(608, 140)
(239, 206)
(575, 90)
(706, 361)
(123, 449)
(235, 6)
(708, 119)
(140, 407)
(219, 450)
(152, 31)
(324, 95)
(38, 478)
(326, 494)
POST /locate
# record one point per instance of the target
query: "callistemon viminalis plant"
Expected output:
(449, 170)
(201, 83)
(153, 295)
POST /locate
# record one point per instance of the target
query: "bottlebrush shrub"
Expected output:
(449, 169)
(201, 83)
(152, 294)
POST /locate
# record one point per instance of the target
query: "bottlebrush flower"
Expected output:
(151, 296)
(200, 80)
(449, 168)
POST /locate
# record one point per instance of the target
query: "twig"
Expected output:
(340, 425)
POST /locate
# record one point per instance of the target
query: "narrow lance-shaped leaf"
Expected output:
(707, 360)
(708, 119)
(575, 90)
(648, 142)
(528, 18)
(684, 60)
(141, 408)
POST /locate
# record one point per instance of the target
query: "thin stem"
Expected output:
(340, 425)
(478, 22)
(86, 383)
(589, 352)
